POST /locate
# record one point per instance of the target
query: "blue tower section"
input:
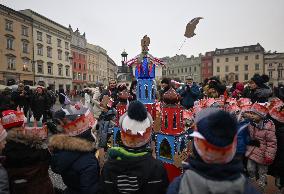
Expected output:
(145, 75)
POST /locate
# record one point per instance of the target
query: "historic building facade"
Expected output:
(103, 64)
(16, 47)
(51, 52)
(180, 67)
(111, 69)
(274, 68)
(238, 63)
(207, 65)
(79, 58)
(93, 64)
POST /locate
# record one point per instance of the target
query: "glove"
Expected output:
(268, 161)
(254, 142)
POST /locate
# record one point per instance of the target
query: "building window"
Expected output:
(39, 49)
(218, 69)
(280, 75)
(236, 58)
(236, 68)
(48, 39)
(256, 56)
(178, 71)
(66, 56)
(59, 54)
(227, 59)
(49, 69)
(39, 67)
(270, 64)
(257, 48)
(226, 77)
(74, 65)
(217, 52)
(218, 60)
(256, 66)
(11, 62)
(172, 71)
(237, 50)
(246, 58)
(84, 77)
(84, 66)
(25, 65)
(67, 69)
(79, 76)
(185, 70)
(270, 74)
(93, 78)
(39, 36)
(246, 49)
(66, 45)
(9, 25)
(246, 76)
(10, 42)
(58, 42)
(49, 52)
(226, 51)
(227, 68)
(74, 75)
(25, 47)
(90, 78)
(236, 77)
(80, 66)
(246, 67)
(25, 31)
(60, 72)
(194, 69)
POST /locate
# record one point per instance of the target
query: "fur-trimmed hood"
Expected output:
(26, 139)
(67, 143)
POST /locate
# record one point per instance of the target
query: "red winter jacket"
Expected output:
(268, 143)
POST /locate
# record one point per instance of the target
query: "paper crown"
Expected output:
(244, 101)
(277, 113)
(274, 102)
(233, 108)
(34, 129)
(12, 118)
(81, 124)
(259, 109)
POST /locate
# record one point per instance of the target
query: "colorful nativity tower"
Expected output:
(170, 138)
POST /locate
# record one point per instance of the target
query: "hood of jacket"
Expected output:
(192, 182)
(66, 150)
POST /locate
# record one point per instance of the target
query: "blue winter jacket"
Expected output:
(243, 137)
(189, 95)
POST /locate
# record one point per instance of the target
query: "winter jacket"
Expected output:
(260, 95)
(74, 160)
(39, 105)
(243, 137)
(264, 132)
(21, 98)
(6, 103)
(4, 182)
(212, 179)
(27, 163)
(277, 168)
(189, 95)
(133, 172)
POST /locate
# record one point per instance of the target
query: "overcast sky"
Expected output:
(120, 24)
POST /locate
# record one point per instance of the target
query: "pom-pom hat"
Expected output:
(215, 139)
(136, 125)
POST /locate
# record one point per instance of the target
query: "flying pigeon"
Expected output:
(190, 27)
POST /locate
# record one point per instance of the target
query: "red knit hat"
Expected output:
(277, 113)
(12, 118)
(259, 109)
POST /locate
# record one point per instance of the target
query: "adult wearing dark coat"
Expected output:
(61, 96)
(74, 159)
(5, 101)
(112, 92)
(27, 163)
(189, 93)
(40, 104)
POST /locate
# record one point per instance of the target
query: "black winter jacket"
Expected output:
(135, 173)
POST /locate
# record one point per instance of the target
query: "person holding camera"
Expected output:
(189, 93)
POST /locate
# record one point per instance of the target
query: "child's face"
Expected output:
(2, 144)
(252, 116)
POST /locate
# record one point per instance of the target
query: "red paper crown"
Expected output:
(275, 102)
(80, 125)
(244, 101)
(277, 112)
(259, 109)
(245, 107)
(38, 131)
(12, 118)
(233, 108)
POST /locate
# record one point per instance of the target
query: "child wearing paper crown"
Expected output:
(131, 167)
(277, 168)
(263, 145)
(73, 150)
(27, 157)
(4, 183)
(212, 168)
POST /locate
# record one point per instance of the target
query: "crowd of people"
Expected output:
(230, 150)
